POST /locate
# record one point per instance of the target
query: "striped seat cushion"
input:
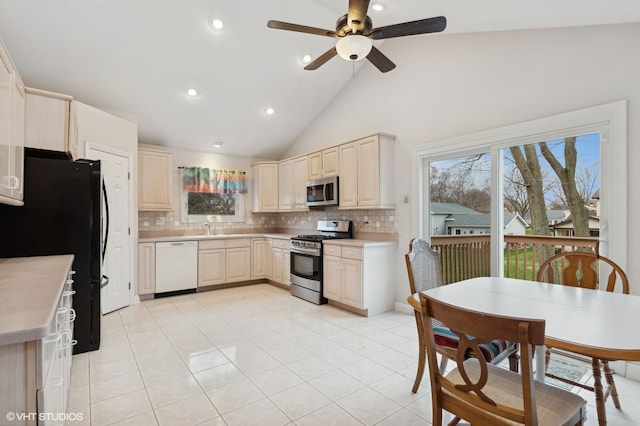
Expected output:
(443, 336)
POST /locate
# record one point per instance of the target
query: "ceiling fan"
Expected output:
(355, 31)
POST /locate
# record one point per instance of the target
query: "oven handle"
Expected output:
(301, 250)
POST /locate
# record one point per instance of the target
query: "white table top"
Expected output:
(591, 322)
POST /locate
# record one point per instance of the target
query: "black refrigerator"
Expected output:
(62, 214)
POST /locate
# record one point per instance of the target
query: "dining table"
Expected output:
(597, 324)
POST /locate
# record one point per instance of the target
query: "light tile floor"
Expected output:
(256, 355)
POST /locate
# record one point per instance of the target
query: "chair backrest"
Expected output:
(582, 269)
(473, 399)
(423, 266)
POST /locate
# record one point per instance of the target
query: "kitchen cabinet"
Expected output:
(281, 261)
(48, 120)
(323, 163)
(37, 337)
(12, 110)
(367, 169)
(146, 268)
(154, 180)
(258, 258)
(292, 184)
(224, 261)
(264, 184)
(360, 277)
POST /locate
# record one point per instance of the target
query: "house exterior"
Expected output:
(454, 219)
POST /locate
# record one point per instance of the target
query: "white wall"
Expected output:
(451, 85)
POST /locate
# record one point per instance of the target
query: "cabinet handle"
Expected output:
(14, 182)
(72, 315)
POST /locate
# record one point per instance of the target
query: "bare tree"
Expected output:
(567, 176)
(526, 159)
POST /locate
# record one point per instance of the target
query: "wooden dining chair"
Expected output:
(485, 394)
(583, 269)
(423, 268)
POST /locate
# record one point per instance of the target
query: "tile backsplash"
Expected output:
(364, 221)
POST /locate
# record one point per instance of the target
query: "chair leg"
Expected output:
(514, 360)
(421, 351)
(547, 357)
(608, 374)
(597, 389)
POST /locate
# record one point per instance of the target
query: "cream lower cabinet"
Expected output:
(146, 268)
(258, 258)
(280, 260)
(224, 261)
(360, 276)
(270, 259)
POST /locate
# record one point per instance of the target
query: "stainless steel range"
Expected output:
(306, 259)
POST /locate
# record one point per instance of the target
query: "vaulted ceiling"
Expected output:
(139, 57)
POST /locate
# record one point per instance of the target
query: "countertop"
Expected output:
(30, 288)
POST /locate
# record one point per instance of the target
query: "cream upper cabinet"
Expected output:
(323, 163)
(47, 120)
(367, 173)
(12, 101)
(292, 184)
(300, 171)
(285, 176)
(146, 268)
(154, 180)
(264, 186)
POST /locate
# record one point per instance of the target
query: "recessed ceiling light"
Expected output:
(217, 144)
(269, 111)
(306, 58)
(192, 92)
(216, 24)
(378, 7)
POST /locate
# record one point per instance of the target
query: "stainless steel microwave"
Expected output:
(322, 192)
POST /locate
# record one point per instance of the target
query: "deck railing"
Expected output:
(468, 256)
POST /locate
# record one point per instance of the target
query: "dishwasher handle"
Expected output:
(177, 244)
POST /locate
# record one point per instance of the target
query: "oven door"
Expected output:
(306, 265)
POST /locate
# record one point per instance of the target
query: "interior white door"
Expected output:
(115, 173)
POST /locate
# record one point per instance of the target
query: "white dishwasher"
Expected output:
(176, 266)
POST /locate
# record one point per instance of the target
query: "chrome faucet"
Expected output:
(208, 226)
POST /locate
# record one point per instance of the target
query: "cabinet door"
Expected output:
(330, 162)
(154, 180)
(17, 130)
(368, 172)
(300, 172)
(332, 278)
(352, 282)
(211, 267)
(6, 168)
(238, 264)
(146, 268)
(265, 187)
(47, 121)
(315, 165)
(268, 258)
(258, 267)
(285, 185)
(277, 260)
(348, 175)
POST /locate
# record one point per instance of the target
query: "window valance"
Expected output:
(219, 181)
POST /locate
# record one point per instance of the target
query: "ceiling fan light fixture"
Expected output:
(306, 58)
(354, 47)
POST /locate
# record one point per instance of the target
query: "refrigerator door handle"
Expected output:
(106, 233)
(104, 282)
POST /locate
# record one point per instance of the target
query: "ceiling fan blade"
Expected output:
(278, 25)
(421, 26)
(322, 59)
(358, 12)
(380, 61)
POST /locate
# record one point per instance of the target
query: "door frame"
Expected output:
(133, 220)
